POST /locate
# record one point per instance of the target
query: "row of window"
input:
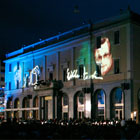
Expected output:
(98, 44)
(2, 79)
(80, 72)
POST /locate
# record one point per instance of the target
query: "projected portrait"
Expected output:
(103, 56)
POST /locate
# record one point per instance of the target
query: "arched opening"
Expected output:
(8, 106)
(25, 105)
(79, 105)
(99, 98)
(35, 104)
(65, 104)
(16, 105)
(117, 104)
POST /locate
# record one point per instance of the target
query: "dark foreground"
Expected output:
(73, 129)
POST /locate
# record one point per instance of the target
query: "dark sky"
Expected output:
(23, 22)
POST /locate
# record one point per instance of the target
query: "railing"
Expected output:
(44, 85)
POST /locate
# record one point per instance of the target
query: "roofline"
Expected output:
(23, 49)
(126, 15)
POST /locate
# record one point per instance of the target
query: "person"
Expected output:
(103, 56)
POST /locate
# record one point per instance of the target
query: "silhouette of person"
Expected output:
(103, 56)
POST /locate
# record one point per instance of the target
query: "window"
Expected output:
(9, 85)
(98, 70)
(2, 64)
(17, 84)
(64, 75)
(2, 78)
(81, 98)
(118, 95)
(51, 76)
(98, 42)
(2, 70)
(81, 71)
(27, 81)
(17, 65)
(116, 37)
(10, 67)
(65, 100)
(116, 66)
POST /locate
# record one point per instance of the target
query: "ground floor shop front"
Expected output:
(108, 101)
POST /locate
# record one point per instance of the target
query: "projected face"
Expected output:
(103, 56)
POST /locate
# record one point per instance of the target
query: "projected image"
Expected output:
(103, 56)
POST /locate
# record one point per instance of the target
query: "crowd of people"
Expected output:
(71, 129)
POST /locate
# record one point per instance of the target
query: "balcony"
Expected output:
(47, 85)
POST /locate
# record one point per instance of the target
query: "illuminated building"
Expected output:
(2, 86)
(91, 71)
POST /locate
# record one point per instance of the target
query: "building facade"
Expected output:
(91, 71)
(2, 88)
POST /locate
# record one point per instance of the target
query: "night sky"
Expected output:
(23, 22)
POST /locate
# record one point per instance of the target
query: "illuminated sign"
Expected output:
(74, 74)
(48, 98)
(103, 56)
(33, 77)
(17, 74)
(35, 72)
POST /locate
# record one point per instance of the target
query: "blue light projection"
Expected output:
(35, 72)
(17, 74)
(118, 95)
(2, 108)
(101, 97)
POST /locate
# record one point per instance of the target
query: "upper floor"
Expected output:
(105, 51)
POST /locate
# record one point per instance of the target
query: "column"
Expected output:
(43, 74)
(39, 106)
(87, 105)
(53, 103)
(23, 74)
(20, 106)
(73, 63)
(107, 104)
(127, 104)
(71, 106)
(31, 105)
(57, 66)
(73, 59)
(50, 109)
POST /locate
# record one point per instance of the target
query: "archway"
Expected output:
(65, 106)
(117, 104)
(79, 105)
(9, 114)
(16, 105)
(99, 101)
(25, 105)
